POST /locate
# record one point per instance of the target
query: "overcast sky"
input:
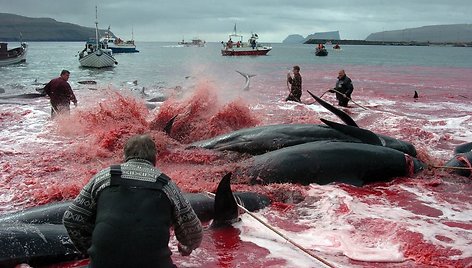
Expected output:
(273, 21)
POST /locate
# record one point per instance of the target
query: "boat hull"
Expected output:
(321, 52)
(245, 52)
(98, 59)
(123, 49)
(20, 57)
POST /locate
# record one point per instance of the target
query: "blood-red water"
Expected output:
(433, 228)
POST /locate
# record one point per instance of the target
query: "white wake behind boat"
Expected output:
(96, 54)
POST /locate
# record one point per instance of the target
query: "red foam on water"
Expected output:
(92, 138)
(201, 116)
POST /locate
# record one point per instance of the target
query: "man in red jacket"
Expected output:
(60, 93)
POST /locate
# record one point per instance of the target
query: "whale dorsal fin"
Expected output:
(225, 207)
(168, 128)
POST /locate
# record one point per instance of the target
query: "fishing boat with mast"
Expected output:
(236, 47)
(118, 45)
(96, 54)
(14, 55)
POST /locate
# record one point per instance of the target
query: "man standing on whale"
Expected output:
(122, 216)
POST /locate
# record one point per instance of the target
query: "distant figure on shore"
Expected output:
(296, 85)
(60, 93)
(343, 89)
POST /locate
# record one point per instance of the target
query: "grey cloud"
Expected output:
(212, 20)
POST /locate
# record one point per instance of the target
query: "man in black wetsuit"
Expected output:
(122, 216)
(344, 87)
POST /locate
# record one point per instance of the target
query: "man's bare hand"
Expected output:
(184, 251)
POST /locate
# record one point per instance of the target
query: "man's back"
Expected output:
(131, 228)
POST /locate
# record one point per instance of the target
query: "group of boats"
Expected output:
(321, 50)
(98, 52)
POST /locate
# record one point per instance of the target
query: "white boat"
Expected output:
(14, 55)
(196, 42)
(236, 47)
(96, 54)
(118, 45)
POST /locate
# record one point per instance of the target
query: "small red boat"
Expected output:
(236, 47)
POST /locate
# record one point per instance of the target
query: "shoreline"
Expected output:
(388, 43)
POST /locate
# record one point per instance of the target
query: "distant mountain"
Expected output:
(42, 29)
(334, 35)
(433, 33)
(296, 38)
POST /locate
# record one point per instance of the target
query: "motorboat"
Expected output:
(337, 47)
(14, 55)
(96, 54)
(321, 50)
(236, 47)
(196, 42)
(118, 45)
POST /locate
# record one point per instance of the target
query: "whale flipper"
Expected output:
(364, 135)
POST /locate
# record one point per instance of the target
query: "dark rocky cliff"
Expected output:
(41, 29)
(433, 33)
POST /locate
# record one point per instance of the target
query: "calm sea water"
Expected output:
(168, 65)
(421, 221)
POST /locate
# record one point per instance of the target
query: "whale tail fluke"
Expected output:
(225, 206)
(248, 79)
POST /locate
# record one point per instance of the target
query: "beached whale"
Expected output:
(325, 162)
(462, 160)
(262, 139)
(24, 96)
(37, 236)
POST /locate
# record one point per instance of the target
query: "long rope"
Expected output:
(344, 97)
(283, 236)
(446, 167)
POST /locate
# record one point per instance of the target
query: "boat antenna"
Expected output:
(96, 26)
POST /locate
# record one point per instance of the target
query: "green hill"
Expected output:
(41, 29)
